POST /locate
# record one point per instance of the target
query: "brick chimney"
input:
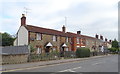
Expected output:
(110, 40)
(106, 39)
(101, 37)
(23, 20)
(96, 36)
(78, 32)
(63, 29)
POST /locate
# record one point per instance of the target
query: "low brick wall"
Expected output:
(14, 59)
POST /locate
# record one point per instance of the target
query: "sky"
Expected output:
(91, 17)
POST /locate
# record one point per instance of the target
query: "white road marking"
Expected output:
(64, 70)
(77, 68)
(70, 70)
(98, 63)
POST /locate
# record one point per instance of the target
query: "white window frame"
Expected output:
(54, 38)
(39, 36)
(54, 49)
(39, 50)
(78, 40)
(67, 39)
(81, 41)
(66, 49)
(70, 40)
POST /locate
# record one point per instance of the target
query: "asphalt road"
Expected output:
(103, 64)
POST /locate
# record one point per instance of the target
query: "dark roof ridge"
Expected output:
(81, 35)
(44, 28)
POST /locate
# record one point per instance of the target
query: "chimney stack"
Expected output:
(78, 32)
(63, 29)
(110, 40)
(23, 20)
(96, 36)
(101, 37)
(106, 39)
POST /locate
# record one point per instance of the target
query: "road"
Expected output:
(103, 64)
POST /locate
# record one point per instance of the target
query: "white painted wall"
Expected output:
(22, 36)
(15, 42)
(109, 45)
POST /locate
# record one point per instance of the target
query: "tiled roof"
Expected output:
(14, 50)
(54, 32)
(45, 30)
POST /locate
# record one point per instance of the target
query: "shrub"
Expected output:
(32, 49)
(113, 50)
(82, 52)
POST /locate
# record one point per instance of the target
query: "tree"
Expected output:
(115, 44)
(7, 39)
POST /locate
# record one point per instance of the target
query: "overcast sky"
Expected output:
(89, 16)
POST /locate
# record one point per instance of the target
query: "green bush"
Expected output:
(32, 49)
(82, 52)
(113, 50)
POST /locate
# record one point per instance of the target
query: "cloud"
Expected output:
(89, 16)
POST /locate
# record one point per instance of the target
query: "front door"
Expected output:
(47, 50)
(63, 49)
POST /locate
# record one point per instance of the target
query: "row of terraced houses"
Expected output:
(46, 40)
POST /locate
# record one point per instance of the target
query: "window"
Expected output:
(39, 36)
(54, 38)
(66, 39)
(38, 50)
(70, 39)
(83, 41)
(54, 49)
(66, 49)
(87, 42)
(78, 40)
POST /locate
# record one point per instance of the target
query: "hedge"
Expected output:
(114, 50)
(82, 52)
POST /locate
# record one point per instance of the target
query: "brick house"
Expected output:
(47, 40)
(79, 40)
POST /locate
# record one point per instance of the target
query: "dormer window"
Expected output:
(39, 36)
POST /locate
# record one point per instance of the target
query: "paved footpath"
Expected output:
(43, 63)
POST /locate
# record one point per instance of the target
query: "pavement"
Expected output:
(12, 67)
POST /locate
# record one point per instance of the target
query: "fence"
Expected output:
(51, 56)
(59, 55)
(99, 53)
(20, 54)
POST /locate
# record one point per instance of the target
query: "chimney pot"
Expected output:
(23, 15)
